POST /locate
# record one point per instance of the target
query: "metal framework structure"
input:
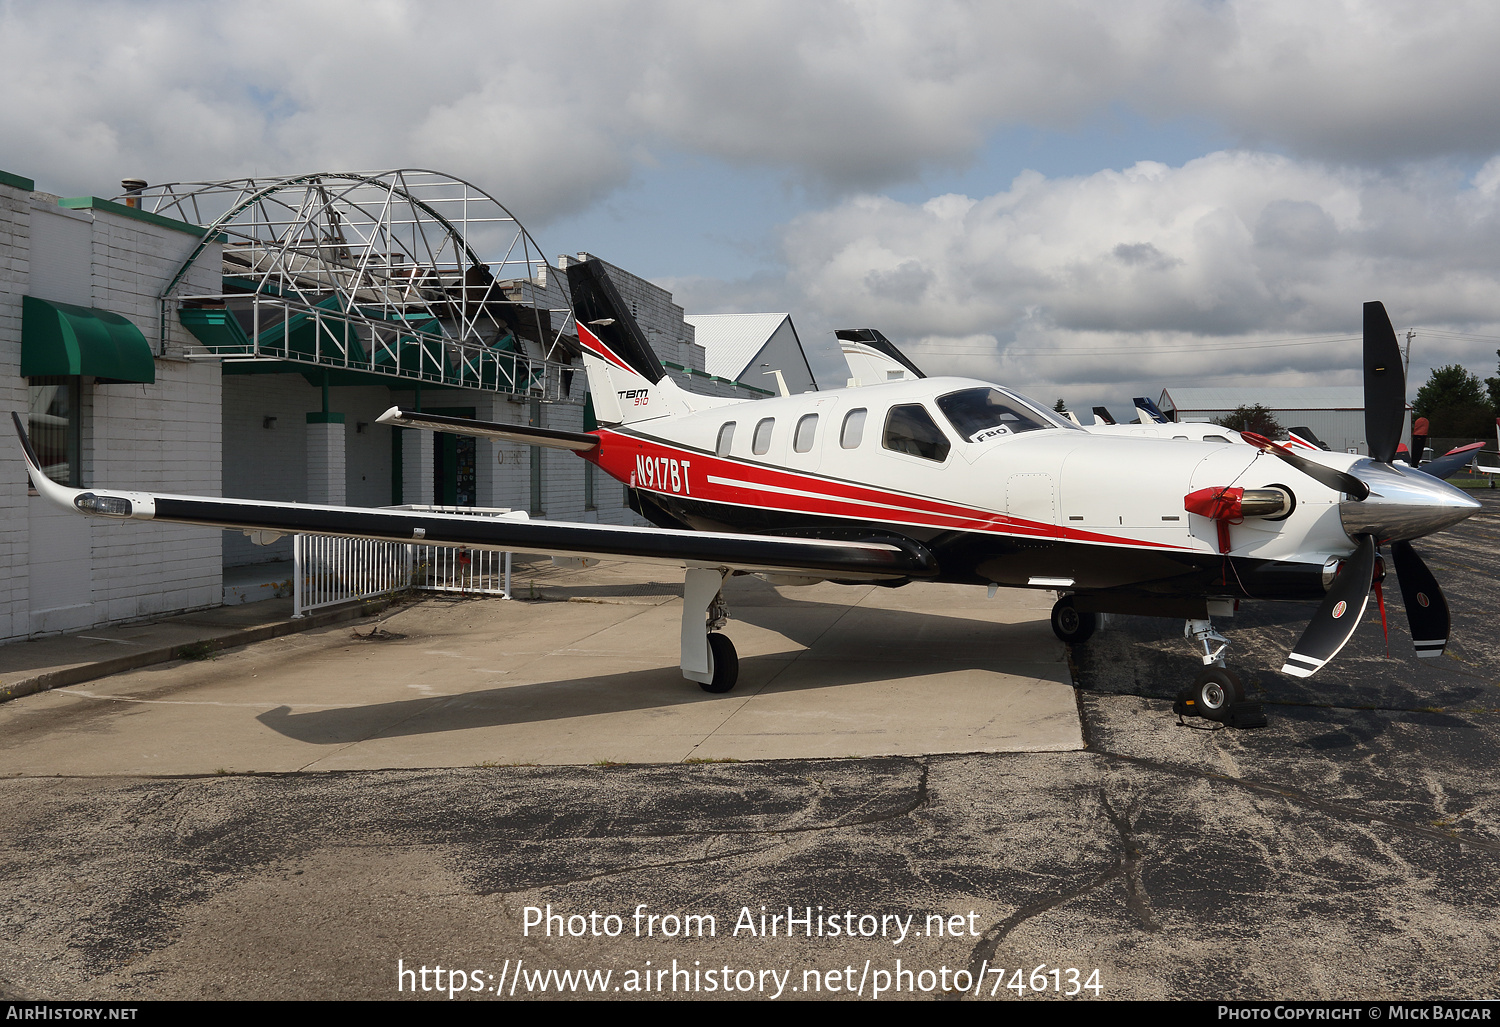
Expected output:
(373, 274)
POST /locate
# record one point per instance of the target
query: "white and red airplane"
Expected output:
(937, 479)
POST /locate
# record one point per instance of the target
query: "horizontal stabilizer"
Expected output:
(524, 433)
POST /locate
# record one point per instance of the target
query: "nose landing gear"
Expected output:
(1216, 693)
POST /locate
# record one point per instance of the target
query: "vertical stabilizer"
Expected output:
(598, 306)
(626, 380)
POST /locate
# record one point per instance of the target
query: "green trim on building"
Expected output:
(111, 207)
(318, 417)
(61, 339)
(17, 182)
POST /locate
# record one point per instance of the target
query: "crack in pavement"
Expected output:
(562, 882)
(984, 949)
(1127, 866)
(1342, 810)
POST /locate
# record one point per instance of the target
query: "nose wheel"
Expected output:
(1212, 695)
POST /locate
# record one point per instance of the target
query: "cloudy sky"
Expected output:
(1087, 200)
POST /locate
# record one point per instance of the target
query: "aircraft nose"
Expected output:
(1403, 504)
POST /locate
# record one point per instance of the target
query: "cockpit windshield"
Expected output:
(985, 413)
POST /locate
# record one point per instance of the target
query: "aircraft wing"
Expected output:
(873, 560)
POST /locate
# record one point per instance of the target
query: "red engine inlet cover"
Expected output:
(1221, 505)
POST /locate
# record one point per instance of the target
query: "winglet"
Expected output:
(59, 494)
(138, 505)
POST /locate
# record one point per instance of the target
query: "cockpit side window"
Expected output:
(726, 439)
(980, 414)
(910, 429)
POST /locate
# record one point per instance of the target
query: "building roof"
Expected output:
(1317, 397)
(730, 341)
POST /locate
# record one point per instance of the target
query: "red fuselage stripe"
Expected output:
(592, 342)
(670, 470)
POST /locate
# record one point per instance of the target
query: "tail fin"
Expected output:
(626, 379)
(1148, 412)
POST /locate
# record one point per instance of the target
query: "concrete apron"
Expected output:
(586, 674)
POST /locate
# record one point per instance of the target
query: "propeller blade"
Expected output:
(1426, 607)
(1334, 479)
(1335, 621)
(1385, 385)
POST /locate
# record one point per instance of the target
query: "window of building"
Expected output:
(726, 439)
(56, 428)
(853, 431)
(537, 465)
(807, 428)
(589, 502)
(910, 429)
(760, 445)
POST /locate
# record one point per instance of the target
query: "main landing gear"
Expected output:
(708, 657)
(1216, 693)
(1070, 624)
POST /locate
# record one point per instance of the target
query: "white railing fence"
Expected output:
(329, 570)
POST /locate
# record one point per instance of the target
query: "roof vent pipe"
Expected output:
(133, 187)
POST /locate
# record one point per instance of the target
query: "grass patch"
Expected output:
(198, 650)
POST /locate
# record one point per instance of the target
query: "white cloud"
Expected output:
(552, 106)
(549, 105)
(1154, 272)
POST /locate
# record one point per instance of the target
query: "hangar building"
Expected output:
(1336, 414)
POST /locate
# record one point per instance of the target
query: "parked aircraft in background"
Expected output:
(937, 479)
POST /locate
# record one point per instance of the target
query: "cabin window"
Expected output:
(726, 439)
(910, 429)
(807, 427)
(854, 428)
(760, 445)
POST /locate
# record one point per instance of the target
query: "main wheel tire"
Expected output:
(725, 661)
(1071, 624)
(1215, 691)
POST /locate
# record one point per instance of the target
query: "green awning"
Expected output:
(61, 339)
